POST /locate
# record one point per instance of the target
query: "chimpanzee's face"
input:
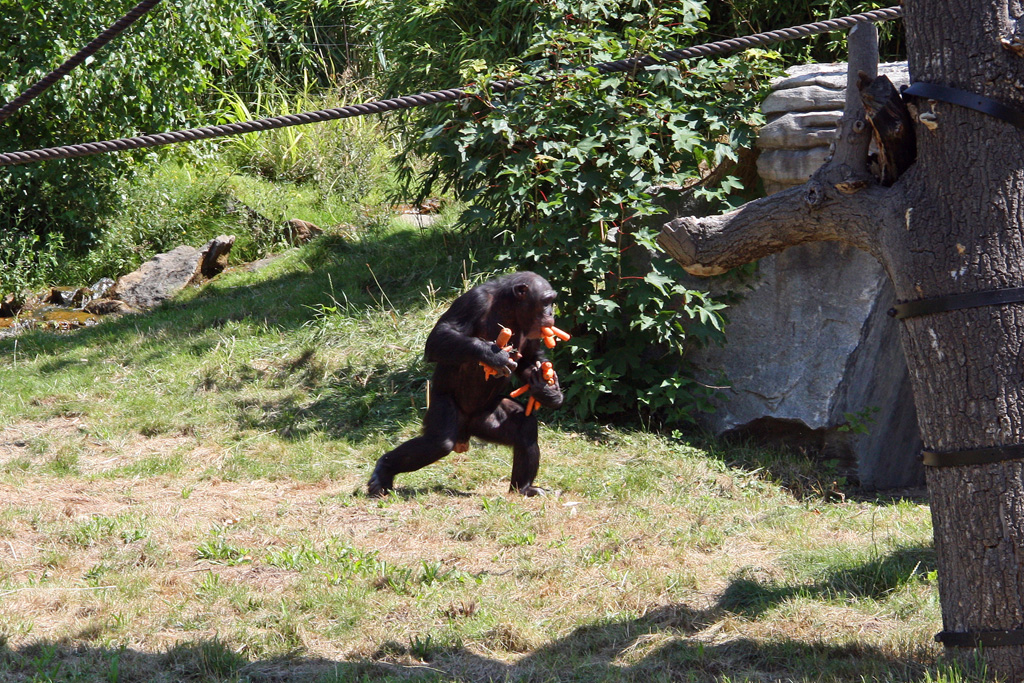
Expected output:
(540, 313)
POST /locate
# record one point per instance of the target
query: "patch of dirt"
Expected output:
(33, 440)
(17, 440)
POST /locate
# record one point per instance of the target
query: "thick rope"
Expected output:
(409, 101)
(755, 40)
(64, 69)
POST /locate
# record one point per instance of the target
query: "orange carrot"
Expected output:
(547, 371)
(549, 342)
(520, 391)
(530, 405)
(503, 337)
(561, 334)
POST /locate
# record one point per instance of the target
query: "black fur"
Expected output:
(462, 402)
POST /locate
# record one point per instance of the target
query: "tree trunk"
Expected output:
(964, 235)
(953, 224)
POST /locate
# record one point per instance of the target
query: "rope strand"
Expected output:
(434, 97)
(43, 84)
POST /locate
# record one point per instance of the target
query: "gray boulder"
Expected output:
(802, 111)
(165, 275)
(813, 360)
(812, 357)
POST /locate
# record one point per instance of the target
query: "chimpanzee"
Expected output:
(463, 401)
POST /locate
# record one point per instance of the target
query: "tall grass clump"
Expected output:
(344, 159)
(28, 261)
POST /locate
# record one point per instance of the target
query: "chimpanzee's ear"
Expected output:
(521, 290)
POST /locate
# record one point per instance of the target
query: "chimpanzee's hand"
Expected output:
(501, 361)
(548, 394)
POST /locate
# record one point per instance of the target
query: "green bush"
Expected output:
(563, 170)
(150, 79)
(431, 44)
(423, 45)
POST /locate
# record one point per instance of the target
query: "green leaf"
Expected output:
(659, 281)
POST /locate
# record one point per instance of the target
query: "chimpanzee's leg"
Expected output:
(441, 425)
(509, 425)
(461, 440)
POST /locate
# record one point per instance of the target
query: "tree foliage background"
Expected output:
(559, 173)
(166, 72)
(563, 172)
(149, 80)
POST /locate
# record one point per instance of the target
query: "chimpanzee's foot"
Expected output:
(528, 491)
(461, 446)
(380, 483)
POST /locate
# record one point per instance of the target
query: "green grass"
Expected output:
(183, 500)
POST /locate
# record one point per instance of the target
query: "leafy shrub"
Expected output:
(564, 170)
(421, 45)
(149, 79)
(29, 261)
(76, 220)
(428, 44)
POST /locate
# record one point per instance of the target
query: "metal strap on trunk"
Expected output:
(954, 302)
(973, 456)
(966, 99)
(1010, 638)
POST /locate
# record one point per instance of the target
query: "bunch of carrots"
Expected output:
(502, 341)
(549, 335)
(548, 373)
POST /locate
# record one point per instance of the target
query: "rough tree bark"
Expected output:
(952, 224)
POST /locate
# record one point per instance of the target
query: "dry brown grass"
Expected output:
(627, 578)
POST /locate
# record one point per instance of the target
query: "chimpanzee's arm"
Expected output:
(453, 340)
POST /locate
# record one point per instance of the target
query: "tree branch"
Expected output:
(815, 211)
(854, 137)
(841, 202)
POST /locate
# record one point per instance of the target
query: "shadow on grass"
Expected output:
(407, 493)
(394, 269)
(805, 474)
(345, 408)
(876, 579)
(663, 645)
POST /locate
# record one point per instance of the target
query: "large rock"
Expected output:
(802, 111)
(812, 356)
(164, 275)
